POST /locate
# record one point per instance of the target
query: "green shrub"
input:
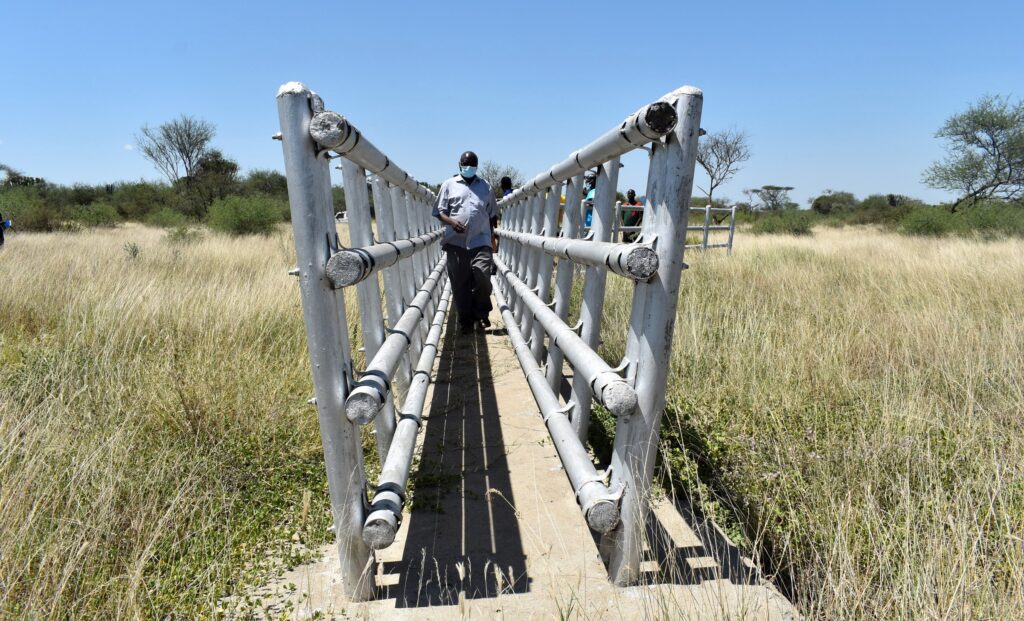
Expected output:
(245, 215)
(993, 219)
(789, 222)
(183, 235)
(166, 218)
(928, 222)
(135, 201)
(96, 214)
(27, 209)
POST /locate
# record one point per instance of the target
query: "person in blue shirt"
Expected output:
(506, 186)
(4, 225)
(466, 206)
(589, 190)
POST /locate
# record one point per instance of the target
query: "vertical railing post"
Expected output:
(323, 310)
(732, 230)
(593, 290)
(652, 323)
(563, 280)
(616, 222)
(360, 228)
(707, 226)
(392, 276)
(549, 228)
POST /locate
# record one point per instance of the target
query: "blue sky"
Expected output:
(833, 95)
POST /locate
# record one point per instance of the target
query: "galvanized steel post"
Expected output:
(652, 322)
(563, 280)
(323, 309)
(360, 228)
(593, 289)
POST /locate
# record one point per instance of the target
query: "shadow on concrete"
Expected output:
(463, 539)
(692, 553)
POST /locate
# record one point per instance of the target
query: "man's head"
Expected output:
(590, 179)
(467, 165)
(506, 183)
(631, 196)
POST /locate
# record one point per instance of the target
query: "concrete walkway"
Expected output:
(495, 533)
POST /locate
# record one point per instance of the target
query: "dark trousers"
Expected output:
(469, 271)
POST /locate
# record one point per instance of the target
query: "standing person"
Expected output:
(506, 186)
(589, 191)
(466, 205)
(4, 225)
(631, 217)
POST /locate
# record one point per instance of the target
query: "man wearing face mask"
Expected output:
(466, 205)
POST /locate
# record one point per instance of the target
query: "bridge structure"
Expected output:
(543, 249)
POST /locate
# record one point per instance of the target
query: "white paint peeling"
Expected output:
(292, 88)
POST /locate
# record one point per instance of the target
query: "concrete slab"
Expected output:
(495, 532)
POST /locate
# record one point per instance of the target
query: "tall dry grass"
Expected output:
(854, 403)
(156, 450)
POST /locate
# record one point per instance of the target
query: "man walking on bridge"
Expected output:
(466, 205)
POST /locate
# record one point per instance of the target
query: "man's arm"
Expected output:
(441, 211)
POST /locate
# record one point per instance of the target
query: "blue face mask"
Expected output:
(468, 171)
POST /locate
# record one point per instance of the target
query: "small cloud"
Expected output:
(129, 147)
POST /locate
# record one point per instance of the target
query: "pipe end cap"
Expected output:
(642, 263)
(345, 269)
(328, 129)
(362, 407)
(380, 530)
(619, 398)
(603, 516)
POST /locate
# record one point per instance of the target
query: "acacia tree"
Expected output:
(492, 172)
(720, 154)
(984, 152)
(176, 147)
(772, 197)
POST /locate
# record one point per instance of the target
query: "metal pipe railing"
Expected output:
(394, 304)
(633, 261)
(352, 265)
(371, 318)
(563, 279)
(594, 283)
(371, 391)
(332, 131)
(381, 524)
(649, 123)
(606, 385)
(323, 310)
(649, 340)
(600, 506)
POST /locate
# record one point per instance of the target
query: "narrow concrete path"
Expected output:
(495, 532)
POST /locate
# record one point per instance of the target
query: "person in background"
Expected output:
(589, 190)
(466, 205)
(631, 217)
(506, 186)
(4, 225)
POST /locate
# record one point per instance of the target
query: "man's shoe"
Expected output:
(467, 328)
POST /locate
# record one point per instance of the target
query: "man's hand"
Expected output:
(452, 222)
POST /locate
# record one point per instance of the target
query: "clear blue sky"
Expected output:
(842, 95)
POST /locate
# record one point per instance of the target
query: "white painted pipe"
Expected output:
(353, 265)
(600, 506)
(633, 261)
(374, 385)
(643, 126)
(381, 524)
(332, 131)
(605, 384)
